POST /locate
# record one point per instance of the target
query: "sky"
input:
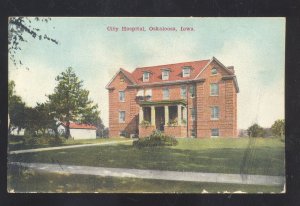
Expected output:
(254, 46)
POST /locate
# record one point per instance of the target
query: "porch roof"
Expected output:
(163, 102)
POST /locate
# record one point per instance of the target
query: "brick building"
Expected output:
(190, 99)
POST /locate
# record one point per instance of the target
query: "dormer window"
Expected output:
(146, 77)
(165, 74)
(186, 71)
(214, 71)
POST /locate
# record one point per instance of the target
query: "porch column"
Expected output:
(184, 114)
(179, 114)
(141, 115)
(166, 115)
(152, 115)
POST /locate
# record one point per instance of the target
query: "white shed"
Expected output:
(79, 131)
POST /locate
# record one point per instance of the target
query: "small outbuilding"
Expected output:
(79, 131)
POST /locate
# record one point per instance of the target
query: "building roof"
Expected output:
(174, 75)
(128, 75)
(74, 125)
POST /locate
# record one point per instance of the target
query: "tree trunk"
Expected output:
(67, 130)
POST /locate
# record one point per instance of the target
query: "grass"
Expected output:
(19, 143)
(25, 180)
(264, 156)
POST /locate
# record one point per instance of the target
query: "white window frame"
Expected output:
(165, 74)
(144, 77)
(166, 97)
(184, 74)
(121, 92)
(122, 120)
(214, 69)
(212, 91)
(215, 113)
(183, 88)
(211, 132)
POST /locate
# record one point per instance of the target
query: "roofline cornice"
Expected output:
(234, 80)
(166, 83)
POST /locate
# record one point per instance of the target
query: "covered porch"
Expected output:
(167, 116)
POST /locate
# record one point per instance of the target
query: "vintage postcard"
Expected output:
(146, 105)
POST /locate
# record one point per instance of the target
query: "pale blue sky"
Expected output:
(255, 46)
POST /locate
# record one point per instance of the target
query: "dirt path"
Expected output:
(157, 174)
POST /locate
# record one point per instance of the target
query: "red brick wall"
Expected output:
(175, 131)
(130, 107)
(145, 131)
(226, 100)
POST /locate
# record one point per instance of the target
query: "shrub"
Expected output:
(256, 131)
(155, 139)
(278, 128)
(145, 123)
(173, 122)
(54, 141)
(43, 140)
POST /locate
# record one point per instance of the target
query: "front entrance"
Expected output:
(160, 118)
(166, 116)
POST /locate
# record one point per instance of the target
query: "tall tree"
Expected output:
(18, 27)
(39, 119)
(70, 102)
(278, 128)
(16, 108)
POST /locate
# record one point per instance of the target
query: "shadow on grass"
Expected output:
(262, 160)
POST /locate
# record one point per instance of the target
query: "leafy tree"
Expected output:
(70, 102)
(100, 128)
(16, 108)
(255, 131)
(18, 26)
(278, 128)
(39, 120)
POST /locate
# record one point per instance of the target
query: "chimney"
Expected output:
(231, 68)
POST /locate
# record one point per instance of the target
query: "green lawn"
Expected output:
(241, 155)
(19, 144)
(21, 180)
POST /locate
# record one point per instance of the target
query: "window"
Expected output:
(122, 96)
(121, 116)
(186, 72)
(140, 95)
(122, 80)
(214, 132)
(166, 94)
(193, 132)
(214, 112)
(148, 94)
(183, 92)
(165, 74)
(146, 76)
(192, 91)
(214, 89)
(214, 71)
(193, 114)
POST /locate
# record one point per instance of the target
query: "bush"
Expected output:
(145, 124)
(156, 139)
(256, 131)
(54, 141)
(46, 139)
